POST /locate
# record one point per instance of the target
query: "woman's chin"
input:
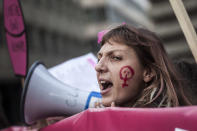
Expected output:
(106, 103)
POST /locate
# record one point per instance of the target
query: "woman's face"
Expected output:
(119, 74)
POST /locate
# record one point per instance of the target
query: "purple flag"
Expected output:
(15, 36)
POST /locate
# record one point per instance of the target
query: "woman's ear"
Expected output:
(148, 74)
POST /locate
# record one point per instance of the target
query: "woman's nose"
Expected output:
(101, 66)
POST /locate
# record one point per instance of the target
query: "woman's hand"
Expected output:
(51, 120)
(99, 105)
(45, 122)
(113, 104)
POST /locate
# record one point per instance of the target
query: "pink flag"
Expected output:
(15, 36)
(130, 119)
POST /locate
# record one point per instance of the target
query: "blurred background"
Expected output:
(58, 30)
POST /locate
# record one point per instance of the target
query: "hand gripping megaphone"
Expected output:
(44, 96)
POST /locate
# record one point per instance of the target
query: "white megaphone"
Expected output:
(44, 96)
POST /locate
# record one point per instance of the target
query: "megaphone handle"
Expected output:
(92, 94)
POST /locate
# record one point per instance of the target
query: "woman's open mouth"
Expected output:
(105, 86)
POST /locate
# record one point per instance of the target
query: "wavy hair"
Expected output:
(165, 89)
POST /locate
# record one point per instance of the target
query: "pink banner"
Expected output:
(15, 36)
(132, 119)
(17, 50)
(13, 18)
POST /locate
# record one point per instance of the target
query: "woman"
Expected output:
(134, 70)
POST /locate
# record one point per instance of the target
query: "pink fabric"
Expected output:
(18, 128)
(15, 36)
(17, 50)
(123, 23)
(100, 35)
(91, 62)
(134, 119)
(13, 19)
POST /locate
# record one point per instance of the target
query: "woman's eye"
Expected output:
(117, 58)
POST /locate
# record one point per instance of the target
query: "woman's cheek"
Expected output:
(126, 73)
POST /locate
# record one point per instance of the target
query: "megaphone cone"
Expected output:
(44, 96)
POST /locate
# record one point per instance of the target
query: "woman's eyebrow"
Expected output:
(116, 50)
(110, 52)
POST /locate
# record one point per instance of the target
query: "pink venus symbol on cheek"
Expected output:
(126, 73)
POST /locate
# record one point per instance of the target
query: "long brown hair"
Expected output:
(165, 90)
